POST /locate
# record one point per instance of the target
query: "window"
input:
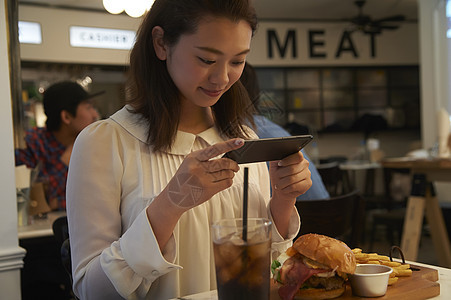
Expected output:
(334, 99)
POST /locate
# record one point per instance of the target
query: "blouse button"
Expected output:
(155, 273)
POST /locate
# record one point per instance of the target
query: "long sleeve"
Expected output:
(27, 156)
(103, 251)
(279, 244)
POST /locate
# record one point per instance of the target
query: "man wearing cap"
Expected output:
(69, 109)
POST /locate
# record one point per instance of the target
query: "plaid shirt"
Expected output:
(42, 146)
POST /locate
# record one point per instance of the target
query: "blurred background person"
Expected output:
(69, 109)
(265, 128)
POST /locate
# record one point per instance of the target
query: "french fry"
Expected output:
(399, 270)
(403, 267)
(383, 258)
(361, 256)
(403, 273)
(391, 263)
(392, 281)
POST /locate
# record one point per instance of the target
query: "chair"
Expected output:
(61, 232)
(332, 177)
(387, 212)
(393, 221)
(340, 217)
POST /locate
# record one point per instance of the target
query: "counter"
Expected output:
(40, 227)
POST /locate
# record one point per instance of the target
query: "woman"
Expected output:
(145, 185)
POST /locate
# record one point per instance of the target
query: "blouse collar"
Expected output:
(184, 141)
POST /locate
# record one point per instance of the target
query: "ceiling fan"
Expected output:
(364, 23)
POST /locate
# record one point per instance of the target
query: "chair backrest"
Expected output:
(340, 217)
(61, 232)
(332, 177)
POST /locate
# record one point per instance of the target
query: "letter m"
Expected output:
(282, 49)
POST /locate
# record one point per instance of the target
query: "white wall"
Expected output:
(55, 45)
(434, 59)
(11, 254)
(435, 77)
(397, 47)
(326, 44)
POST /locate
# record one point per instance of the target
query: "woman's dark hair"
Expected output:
(150, 88)
(250, 82)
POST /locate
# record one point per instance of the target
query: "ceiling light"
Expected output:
(134, 8)
(113, 6)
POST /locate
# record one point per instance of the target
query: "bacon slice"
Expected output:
(293, 274)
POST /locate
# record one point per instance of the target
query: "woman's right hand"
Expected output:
(199, 177)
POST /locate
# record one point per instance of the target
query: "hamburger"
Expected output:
(315, 267)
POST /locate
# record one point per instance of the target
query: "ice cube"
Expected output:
(231, 270)
(227, 253)
(259, 250)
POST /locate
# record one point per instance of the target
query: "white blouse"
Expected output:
(113, 176)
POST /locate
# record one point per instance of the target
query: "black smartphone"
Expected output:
(268, 149)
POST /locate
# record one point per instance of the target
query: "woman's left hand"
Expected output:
(290, 177)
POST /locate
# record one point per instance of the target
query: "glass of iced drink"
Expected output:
(242, 266)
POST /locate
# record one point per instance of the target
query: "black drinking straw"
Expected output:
(246, 176)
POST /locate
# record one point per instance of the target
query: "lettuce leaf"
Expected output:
(275, 267)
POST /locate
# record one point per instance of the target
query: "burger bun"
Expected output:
(327, 251)
(316, 294)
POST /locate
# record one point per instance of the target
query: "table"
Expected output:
(422, 201)
(40, 227)
(353, 167)
(444, 279)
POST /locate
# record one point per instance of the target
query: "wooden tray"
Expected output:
(421, 285)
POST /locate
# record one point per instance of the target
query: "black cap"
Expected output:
(65, 95)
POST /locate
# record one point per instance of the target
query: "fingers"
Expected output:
(199, 177)
(219, 148)
(301, 182)
(290, 165)
(222, 175)
(291, 159)
(216, 165)
(291, 174)
(219, 169)
(193, 183)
